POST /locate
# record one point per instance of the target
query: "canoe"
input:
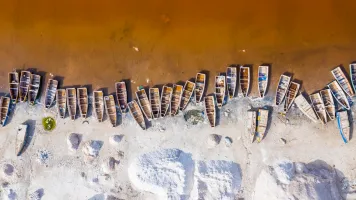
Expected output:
(155, 102)
(251, 124)
(50, 92)
(209, 103)
(25, 80)
(319, 107)
(199, 86)
(14, 86)
(187, 94)
(144, 103)
(62, 103)
(110, 106)
(136, 113)
(328, 102)
(353, 75)
(231, 81)
(83, 101)
(220, 90)
(305, 107)
(282, 88)
(98, 105)
(341, 78)
(121, 95)
(176, 99)
(166, 99)
(292, 92)
(72, 102)
(343, 124)
(339, 95)
(262, 121)
(4, 109)
(34, 88)
(262, 80)
(20, 139)
(244, 80)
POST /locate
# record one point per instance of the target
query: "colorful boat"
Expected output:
(231, 81)
(25, 81)
(292, 93)
(244, 80)
(319, 107)
(110, 106)
(328, 102)
(210, 112)
(72, 102)
(4, 109)
(121, 95)
(220, 90)
(155, 102)
(20, 139)
(199, 86)
(187, 94)
(144, 103)
(166, 100)
(51, 91)
(251, 124)
(283, 85)
(136, 113)
(83, 101)
(61, 102)
(339, 95)
(176, 99)
(343, 124)
(262, 122)
(262, 80)
(341, 78)
(305, 107)
(14, 86)
(98, 105)
(34, 88)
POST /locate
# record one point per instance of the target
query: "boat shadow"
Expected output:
(11, 113)
(351, 122)
(31, 126)
(269, 120)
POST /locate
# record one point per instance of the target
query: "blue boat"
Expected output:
(343, 124)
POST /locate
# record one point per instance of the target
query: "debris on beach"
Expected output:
(194, 117)
(49, 123)
(228, 141)
(44, 156)
(109, 165)
(136, 48)
(92, 148)
(36, 195)
(115, 139)
(213, 140)
(283, 141)
(73, 141)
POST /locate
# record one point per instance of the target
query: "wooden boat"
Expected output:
(50, 92)
(244, 80)
(110, 106)
(4, 109)
(292, 92)
(251, 124)
(98, 105)
(282, 88)
(305, 107)
(328, 102)
(25, 81)
(83, 101)
(121, 95)
(343, 124)
(166, 100)
(62, 102)
(231, 81)
(353, 75)
(176, 99)
(34, 88)
(144, 103)
(137, 114)
(72, 102)
(187, 94)
(14, 86)
(319, 107)
(262, 80)
(341, 78)
(199, 86)
(209, 103)
(20, 139)
(155, 102)
(339, 95)
(220, 90)
(262, 122)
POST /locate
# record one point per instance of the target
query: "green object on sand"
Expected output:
(48, 123)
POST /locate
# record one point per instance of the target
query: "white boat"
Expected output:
(199, 86)
(136, 113)
(343, 123)
(328, 102)
(244, 80)
(110, 107)
(155, 102)
(187, 94)
(353, 75)
(98, 105)
(339, 95)
(83, 101)
(305, 107)
(166, 100)
(231, 81)
(209, 103)
(25, 81)
(251, 124)
(21, 137)
(34, 88)
(61, 102)
(262, 80)
(220, 90)
(341, 78)
(51, 91)
(72, 102)
(4, 109)
(292, 92)
(262, 122)
(282, 88)
(144, 103)
(319, 107)
(176, 99)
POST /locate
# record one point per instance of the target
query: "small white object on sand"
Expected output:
(213, 140)
(228, 141)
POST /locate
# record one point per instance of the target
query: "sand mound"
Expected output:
(36, 195)
(92, 148)
(8, 169)
(73, 141)
(213, 140)
(115, 139)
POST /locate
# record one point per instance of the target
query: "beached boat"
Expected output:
(166, 100)
(98, 105)
(176, 99)
(220, 90)
(209, 103)
(199, 86)
(51, 90)
(231, 81)
(282, 88)
(305, 107)
(319, 107)
(34, 88)
(328, 102)
(110, 106)
(83, 101)
(292, 92)
(343, 123)
(20, 139)
(244, 80)
(353, 75)
(187, 94)
(262, 80)
(137, 114)
(155, 102)
(14, 86)
(262, 122)
(144, 103)
(251, 124)
(341, 78)
(339, 95)
(25, 80)
(72, 102)
(62, 102)
(121, 95)
(4, 109)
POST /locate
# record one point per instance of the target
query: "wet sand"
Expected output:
(95, 43)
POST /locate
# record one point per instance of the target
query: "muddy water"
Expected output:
(157, 42)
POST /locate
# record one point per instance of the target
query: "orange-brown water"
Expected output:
(93, 42)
